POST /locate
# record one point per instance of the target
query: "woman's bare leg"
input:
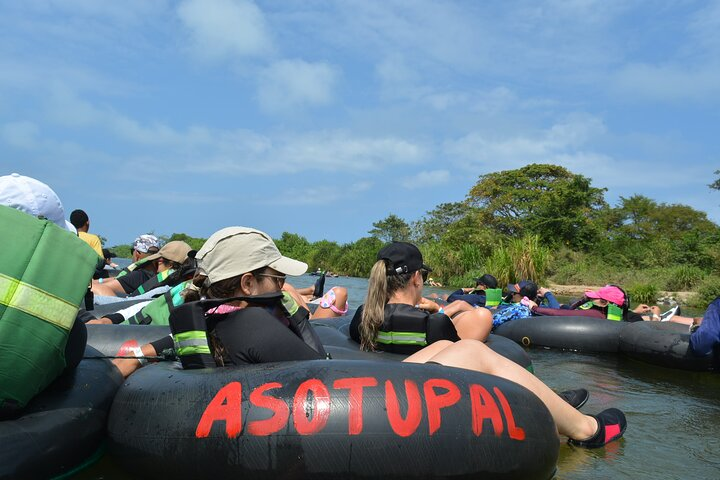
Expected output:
(341, 297)
(474, 355)
(471, 323)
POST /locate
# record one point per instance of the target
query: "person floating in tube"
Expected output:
(395, 288)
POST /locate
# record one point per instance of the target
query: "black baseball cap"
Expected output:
(526, 288)
(403, 257)
(487, 280)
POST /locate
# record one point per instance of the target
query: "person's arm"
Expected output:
(550, 299)
(707, 336)
(109, 287)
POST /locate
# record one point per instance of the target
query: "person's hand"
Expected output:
(529, 303)
(99, 321)
(428, 305)
(642, 308)
(467, 289)
(542, 291)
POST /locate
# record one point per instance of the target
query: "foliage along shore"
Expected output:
(544, 223)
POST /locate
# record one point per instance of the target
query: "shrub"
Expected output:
(683, 277)
(707, 291)
(643, 293)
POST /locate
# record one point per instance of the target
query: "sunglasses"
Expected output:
(279, 279)
(424, 274)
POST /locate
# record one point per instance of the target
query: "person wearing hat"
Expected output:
(395, 287)
(608, 302)
(108, 255)
(46, 269)
(517, 303)
(156, 268)
(143, 246)
(475, 296)
(384, 311)
(267, 324)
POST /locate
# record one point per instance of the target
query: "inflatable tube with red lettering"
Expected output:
(335, 337)
(329, 419)
(663, 343)
(110, 339)
(580, 334)
(62, 428)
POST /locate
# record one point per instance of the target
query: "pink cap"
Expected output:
(609, 293)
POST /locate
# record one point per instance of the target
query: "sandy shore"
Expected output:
(578, 290)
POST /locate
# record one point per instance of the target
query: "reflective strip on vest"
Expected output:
(402, 338)
(154, 282)
(36, 302)
(289, 303)
(191, 343)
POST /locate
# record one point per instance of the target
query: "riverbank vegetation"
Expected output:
(545, 223)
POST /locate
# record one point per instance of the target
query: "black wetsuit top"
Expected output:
(134, 279)
(400, 317)
(253, 335)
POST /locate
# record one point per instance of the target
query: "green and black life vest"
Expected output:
(613, 311)
(188, 325)
(158, 311)
(44, 274)
(154, 282)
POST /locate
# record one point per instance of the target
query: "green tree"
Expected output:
(122, 251)
(716, 184)
(391, 229)
(357, 258)
(546, 200)
(294, 246)
(436, 222)
(323, 255)
(195, 243)
(642, 232)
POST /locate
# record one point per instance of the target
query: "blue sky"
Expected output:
(320, 118)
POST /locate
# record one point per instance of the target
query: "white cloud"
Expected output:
(332, 151)
(287, 84)
(561, 139)
(222, 29)
(427, 179)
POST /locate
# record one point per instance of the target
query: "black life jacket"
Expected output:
(188, 324)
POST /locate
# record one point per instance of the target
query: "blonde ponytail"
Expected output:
(374, 308)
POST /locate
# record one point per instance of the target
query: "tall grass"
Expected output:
(642, 293)
(520, 259)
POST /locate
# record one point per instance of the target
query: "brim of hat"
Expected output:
(70, 227)
(288, 266)
(511, 288)
(425, 267)
(593, 294)
(154, 256)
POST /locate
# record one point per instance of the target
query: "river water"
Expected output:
(673, 416)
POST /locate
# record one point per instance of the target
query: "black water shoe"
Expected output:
(611, 426)
(576, 398)
(319, 286)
